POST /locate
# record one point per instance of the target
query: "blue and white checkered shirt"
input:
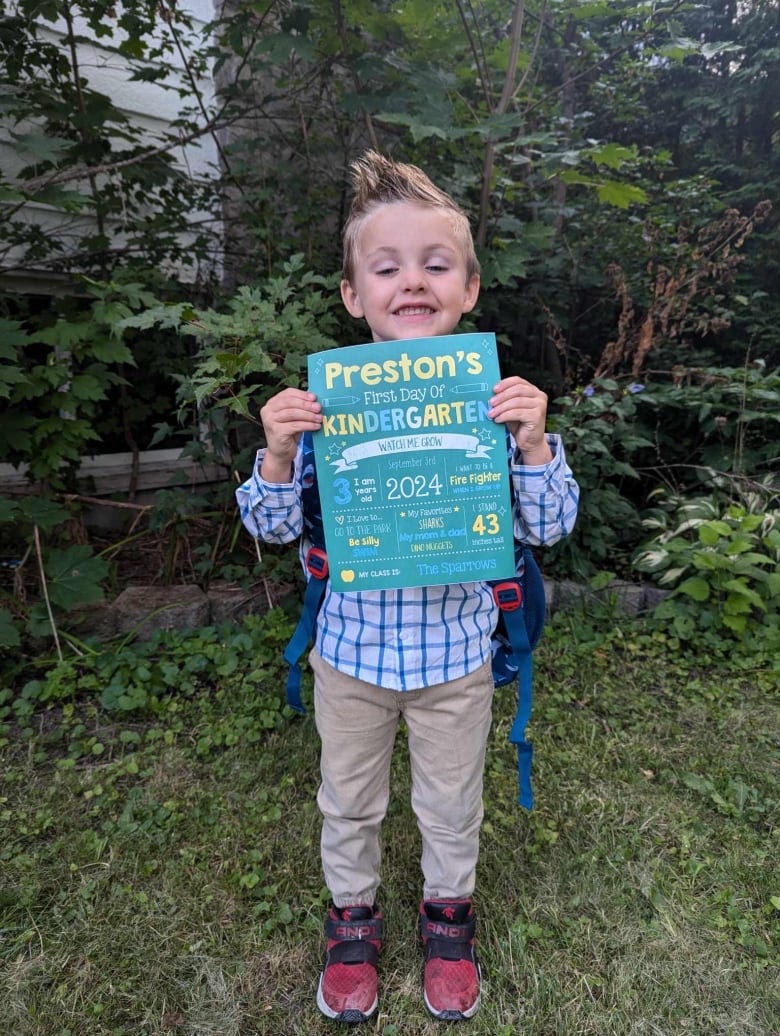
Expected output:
(407, 639)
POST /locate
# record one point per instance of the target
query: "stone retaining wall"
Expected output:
(140, 610)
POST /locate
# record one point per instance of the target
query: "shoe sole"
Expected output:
(350, 1017)
(452, 1016)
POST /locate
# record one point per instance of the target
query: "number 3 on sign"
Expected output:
(486, 525)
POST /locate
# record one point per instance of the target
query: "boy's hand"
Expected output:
(285, 417)
(523, 408)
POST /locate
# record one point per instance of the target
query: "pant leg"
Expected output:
(357, 722)
(448, 727)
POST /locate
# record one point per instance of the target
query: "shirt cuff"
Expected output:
(275, 494)
(523, 475)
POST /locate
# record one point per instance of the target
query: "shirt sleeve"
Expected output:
(270, 511)
(545, 497)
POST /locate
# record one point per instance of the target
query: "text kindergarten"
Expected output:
(412, 473)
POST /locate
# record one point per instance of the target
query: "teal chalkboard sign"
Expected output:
(413, 475)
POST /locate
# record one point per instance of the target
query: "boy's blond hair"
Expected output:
(376, 181)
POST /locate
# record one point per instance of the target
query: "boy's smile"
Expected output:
(410, 278)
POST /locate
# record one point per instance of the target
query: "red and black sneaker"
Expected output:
(451, 977)
(348, 983)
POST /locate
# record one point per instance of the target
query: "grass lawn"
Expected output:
(159, 868)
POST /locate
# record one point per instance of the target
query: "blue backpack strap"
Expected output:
(317, 565)
(518, 638)
(317, 569)
(523, 611)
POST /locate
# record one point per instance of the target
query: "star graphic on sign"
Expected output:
(485, 434)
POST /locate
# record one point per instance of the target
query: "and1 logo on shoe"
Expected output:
(350, 930)
(358, 913)
(353, 931)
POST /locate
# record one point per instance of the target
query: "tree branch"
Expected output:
(482, 71)
(507, 93)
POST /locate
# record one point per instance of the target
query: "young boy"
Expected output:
(423, 654)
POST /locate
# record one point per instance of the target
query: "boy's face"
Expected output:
(410, 274)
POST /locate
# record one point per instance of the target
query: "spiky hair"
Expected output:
(376, 181)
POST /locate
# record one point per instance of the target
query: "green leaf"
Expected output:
(736, 586)
(74, 576)
(419, 130)
(711, 532)
(63, 334)
(60, 198)
(737, 623)
(651, 560)
(10, 196)
(87, 386)
(9, 510)
(40, 147)
(697, 783)
(773, 584)
(696, 588)
(9, 377)
(43, 512)
(12, 334)
(501, 265)
(112, 350)
(158, 316)
(613, 155)
(601, 580)
(15, 431)
(620, 195)
(671, 576)
(9, 631)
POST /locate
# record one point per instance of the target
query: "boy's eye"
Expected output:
(385, 270)
(437, 267)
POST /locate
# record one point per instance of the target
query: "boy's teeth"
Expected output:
(413, 311)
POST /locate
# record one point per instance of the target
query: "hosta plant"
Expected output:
(721, 563)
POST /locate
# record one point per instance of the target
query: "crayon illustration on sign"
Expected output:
(412, 473)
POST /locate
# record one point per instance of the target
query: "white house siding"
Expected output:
(150, 106)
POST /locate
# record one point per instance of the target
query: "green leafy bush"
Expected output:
(603, 440)
(722, 564)
(691, 432)
(153, 680)
(256, 342)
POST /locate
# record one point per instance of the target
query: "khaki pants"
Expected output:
(448, 728)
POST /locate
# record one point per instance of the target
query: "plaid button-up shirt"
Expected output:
(416, 637)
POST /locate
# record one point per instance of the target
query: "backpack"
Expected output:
(521, 601)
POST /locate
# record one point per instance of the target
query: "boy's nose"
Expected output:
(414, 279)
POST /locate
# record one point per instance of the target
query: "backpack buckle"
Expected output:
(508, 596)
(317, 563)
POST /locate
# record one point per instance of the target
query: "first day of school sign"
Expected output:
(412, 474)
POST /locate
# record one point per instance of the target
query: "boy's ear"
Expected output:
(351, 300)
(472, 293)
